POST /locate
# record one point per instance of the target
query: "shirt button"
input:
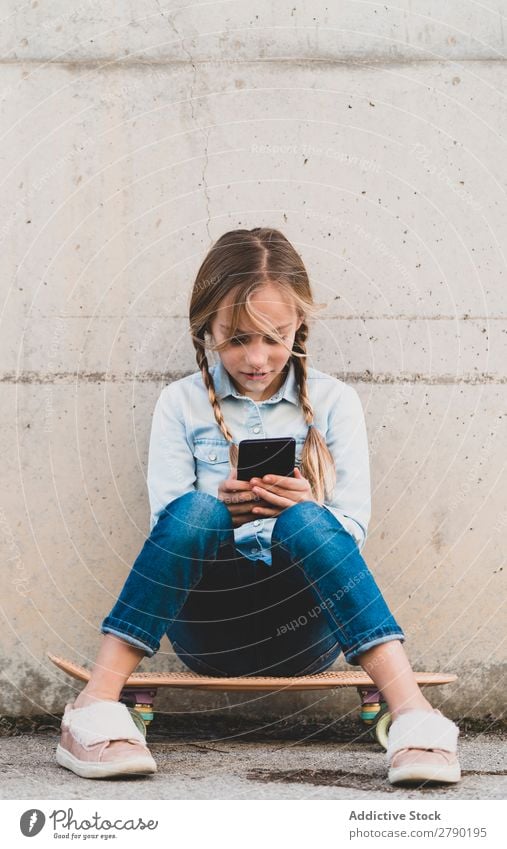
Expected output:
(254, 550)
(212, 456)
(256, 429)
(257, 522)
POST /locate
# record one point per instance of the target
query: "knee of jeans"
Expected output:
(300, 517)
(200, 510)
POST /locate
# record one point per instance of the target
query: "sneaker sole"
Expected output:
(423, 772)
(93, 769)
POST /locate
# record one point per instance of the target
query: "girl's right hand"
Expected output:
(238, 498)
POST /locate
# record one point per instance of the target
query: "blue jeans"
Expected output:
(227, 615)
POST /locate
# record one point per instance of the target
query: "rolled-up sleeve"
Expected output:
(171, 465)
(348, 443)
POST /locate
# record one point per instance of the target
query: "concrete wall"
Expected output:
(133, 135)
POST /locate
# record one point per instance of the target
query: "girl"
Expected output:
(262, 576)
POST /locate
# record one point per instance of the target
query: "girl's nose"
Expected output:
(257, 355)
(255, 365)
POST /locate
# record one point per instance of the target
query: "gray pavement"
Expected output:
(235, 766)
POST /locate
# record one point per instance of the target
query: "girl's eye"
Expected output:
(242, 340)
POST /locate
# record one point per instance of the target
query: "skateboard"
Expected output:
(141, 688)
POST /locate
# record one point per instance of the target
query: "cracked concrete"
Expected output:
(171, 19)
(236, 769)
(168, 377)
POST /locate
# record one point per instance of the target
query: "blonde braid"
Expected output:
(203, 365)
(317, 463)
(301, 371)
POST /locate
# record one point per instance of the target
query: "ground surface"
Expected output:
(220, 761)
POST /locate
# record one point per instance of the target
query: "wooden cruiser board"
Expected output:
(191, 680)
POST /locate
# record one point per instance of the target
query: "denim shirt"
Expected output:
(189, 452)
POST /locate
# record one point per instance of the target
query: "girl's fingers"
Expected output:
(281, 481)
(229, 489)
(289, 490)
(240, 509)
(266, 511)
(234, 498)
(272, 497)
(245, 506)
(235, 486)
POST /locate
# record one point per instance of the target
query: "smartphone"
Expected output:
(259, 457)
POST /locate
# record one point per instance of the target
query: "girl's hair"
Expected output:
(243, 261)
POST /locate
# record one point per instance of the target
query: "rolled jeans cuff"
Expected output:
(352, 655)
(130, 634)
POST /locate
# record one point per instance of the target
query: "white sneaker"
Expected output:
(422, 746)
(101, 740)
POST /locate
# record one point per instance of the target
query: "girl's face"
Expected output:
(248, 352)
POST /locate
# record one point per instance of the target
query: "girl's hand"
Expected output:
(238, 498)
(280, 492)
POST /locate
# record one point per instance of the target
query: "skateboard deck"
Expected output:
(140, 689)
(191, 680)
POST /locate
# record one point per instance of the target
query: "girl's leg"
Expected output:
(115, 661)
(388, 666)
(312, 537)
(185, 540)
(424, 743)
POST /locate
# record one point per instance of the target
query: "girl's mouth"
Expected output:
(255, 376)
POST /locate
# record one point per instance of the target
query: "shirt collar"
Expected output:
(224, 386)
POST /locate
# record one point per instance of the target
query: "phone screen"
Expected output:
(259, 457)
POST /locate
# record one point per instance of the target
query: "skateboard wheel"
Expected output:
(381, 728)
(139, 721)
(369, 713)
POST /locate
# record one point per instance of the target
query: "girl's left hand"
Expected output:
(280, 492)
